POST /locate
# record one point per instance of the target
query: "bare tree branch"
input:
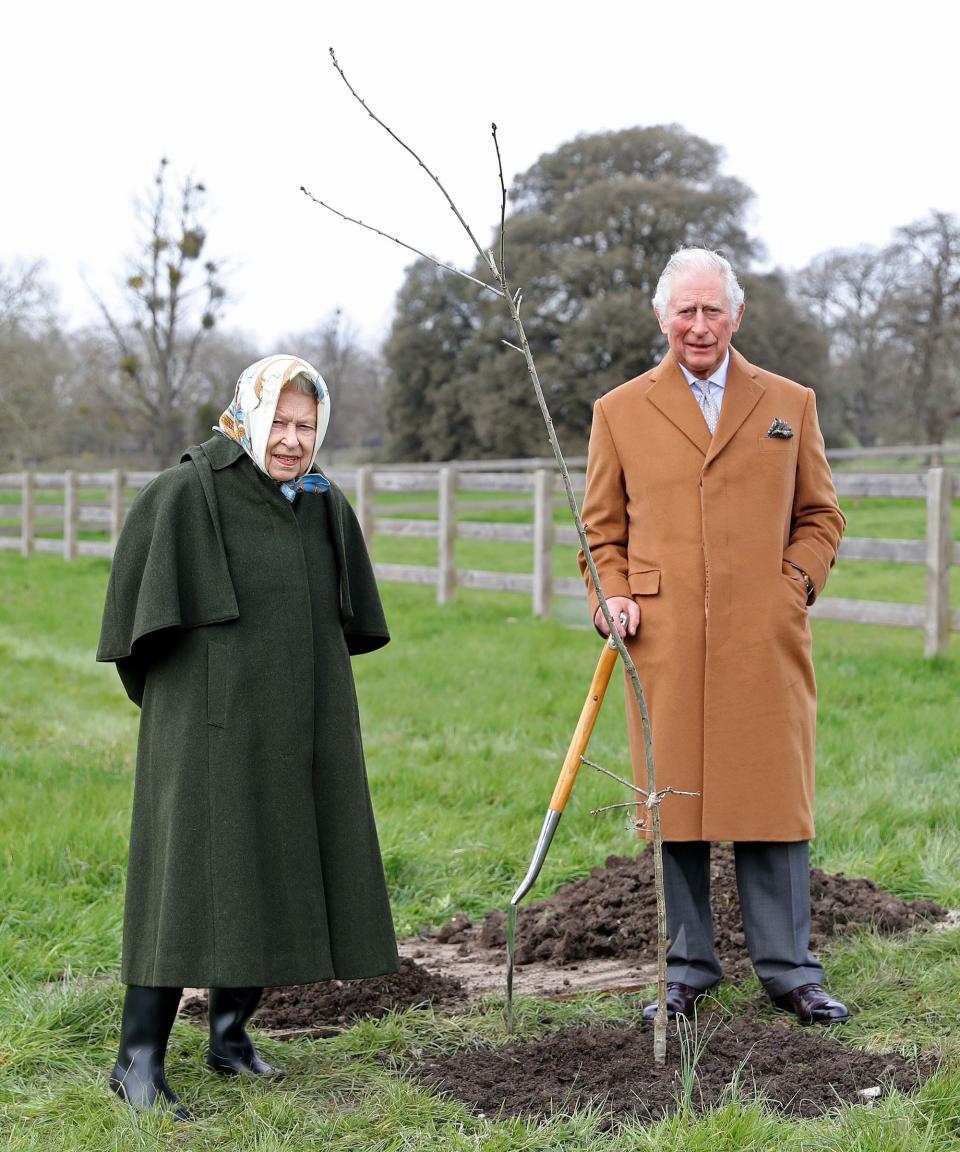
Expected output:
(620, 780)
(503, 202)
(390, 132)
(610, 807)
(650, 799)
(409, 247)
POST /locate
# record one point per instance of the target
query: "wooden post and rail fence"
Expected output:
(41, 525)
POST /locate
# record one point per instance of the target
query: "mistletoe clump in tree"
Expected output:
(173, 299)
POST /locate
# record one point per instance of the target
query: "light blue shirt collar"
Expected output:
(717, 378)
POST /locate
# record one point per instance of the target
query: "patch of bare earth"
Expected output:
(328, 1006)
(594, 934)
(802, 1072)
(612, 913)
(599, 932)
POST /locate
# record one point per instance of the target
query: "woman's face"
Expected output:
(292, 436)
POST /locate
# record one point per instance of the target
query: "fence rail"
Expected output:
(535, 490)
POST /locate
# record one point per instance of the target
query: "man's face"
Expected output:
(698, 323)
(293, 435)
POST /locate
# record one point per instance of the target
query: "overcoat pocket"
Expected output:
(216, 685)
(795, 582)
(776, 444)
(645, 582)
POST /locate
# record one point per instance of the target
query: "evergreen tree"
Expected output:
(590, 229)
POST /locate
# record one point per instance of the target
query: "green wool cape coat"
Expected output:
(231, 615)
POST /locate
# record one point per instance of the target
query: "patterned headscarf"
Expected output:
(248, 418)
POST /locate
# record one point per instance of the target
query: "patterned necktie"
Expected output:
(707, 405)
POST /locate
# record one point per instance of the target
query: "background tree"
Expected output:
(854, 295)
(98, 430)
(426, 352)
(891, 316)
(34, 367)
(928, 324)
(592, 226)
(174, 298)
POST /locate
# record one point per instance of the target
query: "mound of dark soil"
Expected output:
(329, 1005)
(804, 1072)
(612, 913)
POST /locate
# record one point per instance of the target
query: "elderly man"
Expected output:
(713, 521)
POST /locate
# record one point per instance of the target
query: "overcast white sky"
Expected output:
(841, 116)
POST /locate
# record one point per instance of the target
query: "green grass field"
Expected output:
(466, 716)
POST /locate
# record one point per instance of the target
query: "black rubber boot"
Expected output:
(231, 1049)
(138, 1076)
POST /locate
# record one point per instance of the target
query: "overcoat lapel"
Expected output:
(670, 393)
(740, 397)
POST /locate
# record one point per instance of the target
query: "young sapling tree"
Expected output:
(512, 300)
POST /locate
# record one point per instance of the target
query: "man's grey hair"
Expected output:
(696, 260)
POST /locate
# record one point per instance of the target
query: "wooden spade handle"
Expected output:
(581, 734)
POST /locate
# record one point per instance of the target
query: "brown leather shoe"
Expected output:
(811, 1005)
(681, 1001)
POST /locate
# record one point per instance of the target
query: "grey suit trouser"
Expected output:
(773, 879)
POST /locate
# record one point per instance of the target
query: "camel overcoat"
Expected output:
(702, 532)
(231, 615)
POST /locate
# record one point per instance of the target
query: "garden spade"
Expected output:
(561, 793)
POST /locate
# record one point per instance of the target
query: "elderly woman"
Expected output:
(239, 590)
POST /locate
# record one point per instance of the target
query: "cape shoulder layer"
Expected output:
(170, 567)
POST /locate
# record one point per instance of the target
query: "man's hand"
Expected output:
(617, 605)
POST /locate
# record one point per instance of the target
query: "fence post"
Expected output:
(542, 541)
(446, 533)
(939, 549)
(116, 506)
(365, 502)
(27, 514)
(69, 515)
